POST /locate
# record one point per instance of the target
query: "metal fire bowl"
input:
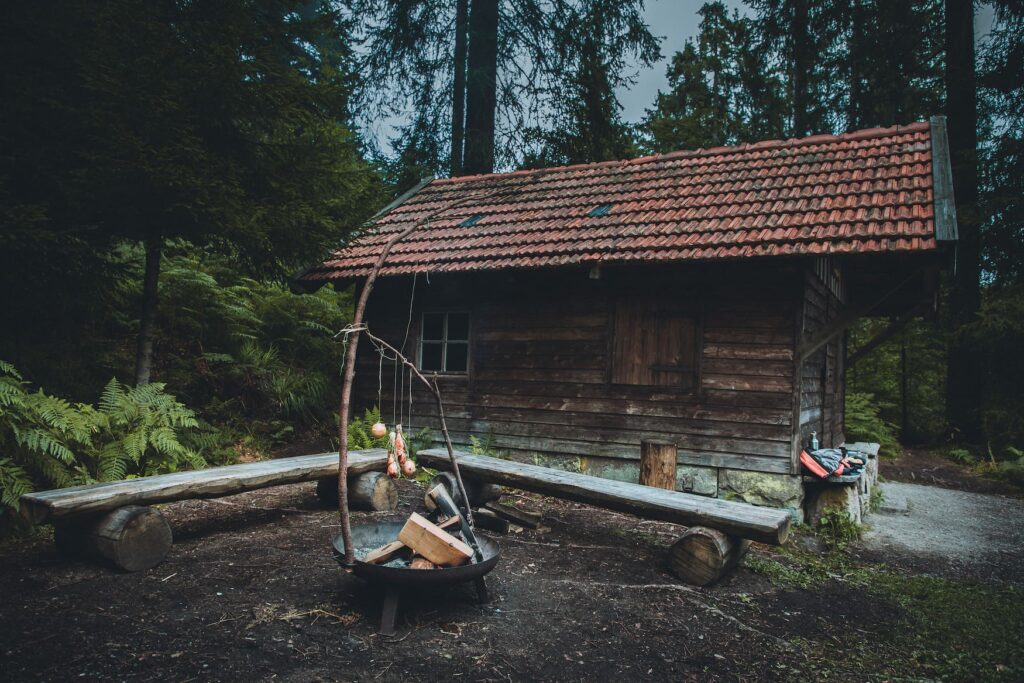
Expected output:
(377, 534)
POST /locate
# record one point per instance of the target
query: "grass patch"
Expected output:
(941, 629)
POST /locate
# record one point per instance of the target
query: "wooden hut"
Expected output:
(700, 297)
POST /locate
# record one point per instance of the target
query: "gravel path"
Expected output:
(942, 531)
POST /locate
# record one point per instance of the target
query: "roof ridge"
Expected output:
(817, 139)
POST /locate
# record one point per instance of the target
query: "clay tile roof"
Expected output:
(866, 191)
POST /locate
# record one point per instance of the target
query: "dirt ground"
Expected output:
(251, 592)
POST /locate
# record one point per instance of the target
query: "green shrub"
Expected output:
(837, 529)
(864, 423)
(359, 431)
(48, 442)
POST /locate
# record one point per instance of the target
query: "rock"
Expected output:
(700, 480)
(824, 497)
(762, 488)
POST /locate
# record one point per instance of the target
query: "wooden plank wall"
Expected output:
(540, 370)
(821, 382)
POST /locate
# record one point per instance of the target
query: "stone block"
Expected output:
(700, 480)
(824, 497)
(763, 488)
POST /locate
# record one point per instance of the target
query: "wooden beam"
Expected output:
(942, 183)
(45, 506)
(767, 525)
(883, 336)
(830, 331)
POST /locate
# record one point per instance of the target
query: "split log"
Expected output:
(373, 491)
(478, 492)
(385, 554)
(658, 464)
(702, 556)
(131, 538)
(487, 520)
(523, 518)
(433, 543)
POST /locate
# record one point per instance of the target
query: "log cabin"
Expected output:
(701, 297)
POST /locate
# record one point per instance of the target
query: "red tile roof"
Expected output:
(868, 191)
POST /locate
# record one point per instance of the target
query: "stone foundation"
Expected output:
(853, 498)
(784, 491)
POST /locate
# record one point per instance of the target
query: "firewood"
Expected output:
(449, 522)
(523, 518)
(385, 553)
(435, 544)
(420, 562)
(485, 519)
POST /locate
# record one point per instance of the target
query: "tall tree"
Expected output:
(964, 389)
(218, 123)
(586, 124)
(459, 86)
(481, 87)
(723, 89)
(535, 71)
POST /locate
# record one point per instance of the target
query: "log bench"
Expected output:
(111, 521)
(720, 530)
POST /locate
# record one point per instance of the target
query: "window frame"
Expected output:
(445, 341)
(694, 312)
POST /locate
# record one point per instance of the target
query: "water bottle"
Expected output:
(814, 441)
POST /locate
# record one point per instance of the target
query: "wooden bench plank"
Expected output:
(47, 506)
(767, 525)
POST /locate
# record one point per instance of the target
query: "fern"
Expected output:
(47, 442)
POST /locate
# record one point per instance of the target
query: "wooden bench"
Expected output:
(719, 532)
(111, 520)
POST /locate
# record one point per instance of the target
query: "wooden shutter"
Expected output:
(654, 345)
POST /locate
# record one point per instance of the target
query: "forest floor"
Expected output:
(251, 592)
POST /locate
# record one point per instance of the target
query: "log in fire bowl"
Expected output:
(393, 580)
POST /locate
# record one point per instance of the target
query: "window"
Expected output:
(655, 345)
(444, 342)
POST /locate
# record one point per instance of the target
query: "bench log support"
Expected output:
(132, 538)
(702, 556)
(372, 491)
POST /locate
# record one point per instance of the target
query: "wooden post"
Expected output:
(702, 556)
(132, 538)
(658, 464)
(373, 491)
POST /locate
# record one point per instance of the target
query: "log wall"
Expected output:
(821, 376)
(541, 358)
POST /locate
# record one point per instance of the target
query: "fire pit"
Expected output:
(393, 579)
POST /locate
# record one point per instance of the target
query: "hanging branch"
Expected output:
(436, 391)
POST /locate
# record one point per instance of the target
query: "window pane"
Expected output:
(430, 357)
(433, 326)
(458, 326)
(458, 357)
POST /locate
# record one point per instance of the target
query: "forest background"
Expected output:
(166, 166)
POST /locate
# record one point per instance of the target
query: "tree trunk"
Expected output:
(658, 464)
(964, 386)
(800, 40)
(147, 321)
(459, 86)
(482, 87)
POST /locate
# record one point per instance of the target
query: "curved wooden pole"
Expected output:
(346, 391)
